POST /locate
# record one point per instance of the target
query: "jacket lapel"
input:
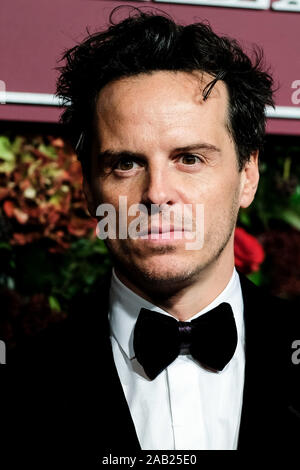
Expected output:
(253, 408)
(120, 431)
(266, 421)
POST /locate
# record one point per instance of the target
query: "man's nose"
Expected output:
(159, 186)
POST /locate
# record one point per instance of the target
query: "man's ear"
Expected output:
(249, 180)
(89, 197)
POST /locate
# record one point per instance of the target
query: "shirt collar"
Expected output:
(125, 306)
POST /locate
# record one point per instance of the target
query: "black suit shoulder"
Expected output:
(283, 313)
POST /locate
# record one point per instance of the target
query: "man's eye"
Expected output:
(190, 159)
(125, 164)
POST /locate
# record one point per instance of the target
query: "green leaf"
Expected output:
(12, 264)
(5, 246)
(54, 303)
(291, 217)
(100, 247)
(27, 157)
(48, 150)
(17, 144)
(244, 218)
(6, 152)
(256, 277)
(56, 199)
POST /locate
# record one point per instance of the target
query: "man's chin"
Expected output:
(157, 276)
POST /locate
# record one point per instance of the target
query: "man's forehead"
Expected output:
(157, 87)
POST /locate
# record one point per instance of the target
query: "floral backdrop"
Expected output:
(49, 251)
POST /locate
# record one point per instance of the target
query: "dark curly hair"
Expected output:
(146, 42)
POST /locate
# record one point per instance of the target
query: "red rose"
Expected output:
(248, 252)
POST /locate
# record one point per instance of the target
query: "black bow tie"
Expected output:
(211, 339)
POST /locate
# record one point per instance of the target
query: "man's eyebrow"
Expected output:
(111, 155)
(199, 146)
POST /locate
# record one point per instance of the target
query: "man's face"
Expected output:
(176, 150)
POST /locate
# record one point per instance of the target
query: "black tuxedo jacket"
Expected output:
(64, 401)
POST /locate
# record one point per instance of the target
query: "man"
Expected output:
(176, 350)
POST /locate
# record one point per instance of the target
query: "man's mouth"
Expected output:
(161, 233)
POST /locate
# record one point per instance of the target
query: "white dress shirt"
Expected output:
(185, 407)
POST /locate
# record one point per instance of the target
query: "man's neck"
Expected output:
(191, 299)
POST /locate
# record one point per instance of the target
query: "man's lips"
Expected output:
(163, 234)
(160, 230)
